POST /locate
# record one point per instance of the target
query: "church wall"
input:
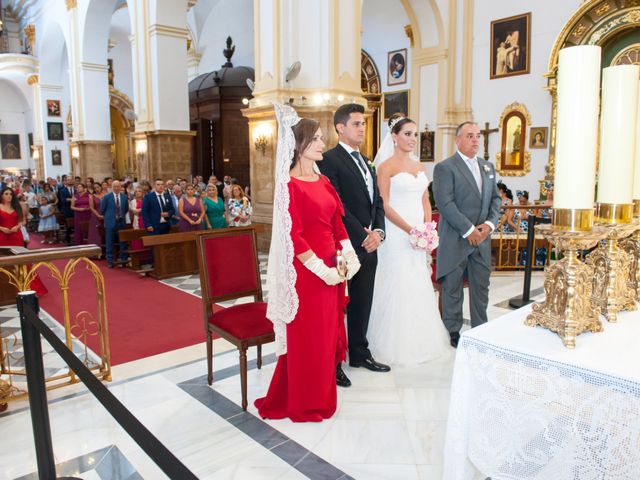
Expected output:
(382, 32)
(121, 52)
(225, 19)
(490, 97)
(16, 119)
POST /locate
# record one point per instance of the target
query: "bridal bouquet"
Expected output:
(424, 237)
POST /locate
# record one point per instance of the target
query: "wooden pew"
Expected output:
(174, 254)
(140, 255)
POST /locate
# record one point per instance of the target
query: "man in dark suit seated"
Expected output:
(113, 207)
(65, 194)
(157, 210)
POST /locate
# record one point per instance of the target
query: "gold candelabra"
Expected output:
(567, 309)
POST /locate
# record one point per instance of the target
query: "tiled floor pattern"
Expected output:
(387, 426)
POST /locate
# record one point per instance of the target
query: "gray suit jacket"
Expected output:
(462, 206)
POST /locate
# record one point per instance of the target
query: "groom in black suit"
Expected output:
(355, 182)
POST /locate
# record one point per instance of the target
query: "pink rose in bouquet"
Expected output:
(424, 237)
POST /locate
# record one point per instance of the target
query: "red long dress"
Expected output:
(303, 386)
(15, 239)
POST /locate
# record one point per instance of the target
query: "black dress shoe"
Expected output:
(370, 364)
(455, 338)
(341, 379)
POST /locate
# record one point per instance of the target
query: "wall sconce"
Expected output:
(75, 152)
(141, 146)
(35, 153)
(261, 138)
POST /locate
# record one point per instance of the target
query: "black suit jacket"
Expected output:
(359, 210)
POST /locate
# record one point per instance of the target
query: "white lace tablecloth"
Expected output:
(524, 407)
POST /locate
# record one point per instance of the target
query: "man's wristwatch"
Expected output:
(382, 234)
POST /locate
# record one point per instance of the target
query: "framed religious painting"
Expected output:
(55, 131)
(53, 108)
(395, 102)
(397, 67)
(538, 137)
(513, 159)
(510, 46)
(10, 146)
(56, 157)
(427, 145)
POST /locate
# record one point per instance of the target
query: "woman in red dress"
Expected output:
(303, 387)
(11, 219)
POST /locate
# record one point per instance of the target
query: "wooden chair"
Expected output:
(229, 269)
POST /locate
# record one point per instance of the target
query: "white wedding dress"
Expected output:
(405, 327)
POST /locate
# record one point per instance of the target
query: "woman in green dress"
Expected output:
(217, 216)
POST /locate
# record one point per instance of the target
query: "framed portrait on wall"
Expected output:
(395, 102)
(538, 137)
(427, 145)
(55, 131)
(397, 67)
(510, 46)
(53, 108)
(10, 146)
(56, 157)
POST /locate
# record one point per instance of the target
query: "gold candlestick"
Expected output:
(631, 245)
(613, 286)
(566, 309)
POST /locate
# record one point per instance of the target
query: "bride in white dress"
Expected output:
(405, 327)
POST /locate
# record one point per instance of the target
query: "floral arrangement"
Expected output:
(424, 237)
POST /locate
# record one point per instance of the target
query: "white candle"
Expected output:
(636, 167)
(577, 127)
(617, 133)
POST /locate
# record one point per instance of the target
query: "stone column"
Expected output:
(38, 151)
(161, 99)
(324, 36)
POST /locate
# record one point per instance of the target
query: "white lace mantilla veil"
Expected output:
(282, 304)
(387, 148)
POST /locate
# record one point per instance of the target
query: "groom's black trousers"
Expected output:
(359, 308)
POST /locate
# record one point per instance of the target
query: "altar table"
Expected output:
(525, 407)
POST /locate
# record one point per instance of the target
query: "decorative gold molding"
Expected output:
(71, 4)
(33, 79)
(409, 31)
(628, 56)
(517, 108)
(30, 33)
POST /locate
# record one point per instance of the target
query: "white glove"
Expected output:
(328, 275)
(350, 256)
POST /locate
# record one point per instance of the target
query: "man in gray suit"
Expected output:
(464, 188)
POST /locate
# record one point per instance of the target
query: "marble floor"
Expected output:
(387, 426)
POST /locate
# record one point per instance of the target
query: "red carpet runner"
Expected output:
(145, 316)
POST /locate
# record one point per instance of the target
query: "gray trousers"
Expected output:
(478, 273)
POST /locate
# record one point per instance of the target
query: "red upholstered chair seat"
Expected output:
(243, 321)
(229, 269)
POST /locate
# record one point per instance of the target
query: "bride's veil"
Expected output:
(387, 148)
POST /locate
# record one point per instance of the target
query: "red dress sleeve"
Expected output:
(339, 230)
(300, 245)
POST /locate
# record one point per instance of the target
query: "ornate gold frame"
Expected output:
(594, 23)
(521, 111)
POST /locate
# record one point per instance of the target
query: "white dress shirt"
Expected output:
(366, 175)
(161, 200)
(474, 168)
